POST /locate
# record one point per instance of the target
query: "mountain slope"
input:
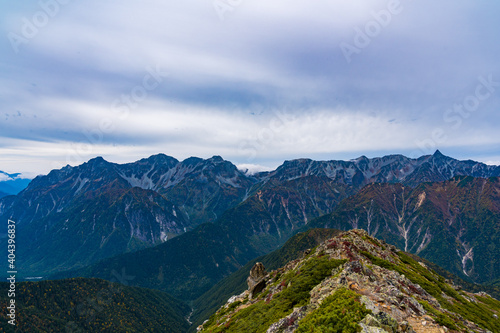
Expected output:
(213, 251)
(185, 267)
(101, 209)
(455, 224)
(201, 188)
(190, 264)
(110, 224)
(234, 284)
(204, 189)
(92, 305)
(96, 210)
(354, 282)
(296, 247)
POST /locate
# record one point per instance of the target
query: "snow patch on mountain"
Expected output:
(81, 183)
(144, 182)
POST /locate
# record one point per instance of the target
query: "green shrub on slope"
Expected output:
(259, 316)
(339, 313)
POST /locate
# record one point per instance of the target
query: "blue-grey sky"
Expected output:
(256, 82)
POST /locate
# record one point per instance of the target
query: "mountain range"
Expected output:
(99, 210)
(194, 228)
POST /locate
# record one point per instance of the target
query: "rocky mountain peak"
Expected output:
(440, 158)
(354, 282)
(216, 158)
(361, 160)
(274, 204)
(163, 159)
(97, 161)
(437, 153)
(192, 161)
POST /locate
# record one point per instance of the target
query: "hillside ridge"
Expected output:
(354, 282)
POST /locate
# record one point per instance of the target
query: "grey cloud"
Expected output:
(262, 57)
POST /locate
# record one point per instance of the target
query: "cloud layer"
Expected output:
(253, 81)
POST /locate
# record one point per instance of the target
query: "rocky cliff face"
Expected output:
(101, 209)
(204, 189)
(453, 223)
(354, 282)
(392, 168)
(95, 229)
(201, 189)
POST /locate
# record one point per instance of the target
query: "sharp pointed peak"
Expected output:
(437, 153)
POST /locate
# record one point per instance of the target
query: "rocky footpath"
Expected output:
(353, 283)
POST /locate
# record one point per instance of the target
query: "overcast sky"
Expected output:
(257, 82)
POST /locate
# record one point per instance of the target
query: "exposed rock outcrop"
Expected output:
(390, 293)
(257, 279)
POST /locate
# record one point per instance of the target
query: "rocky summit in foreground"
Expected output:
(354, 283)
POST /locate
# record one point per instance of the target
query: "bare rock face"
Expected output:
(290, 323)
(257, 279)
